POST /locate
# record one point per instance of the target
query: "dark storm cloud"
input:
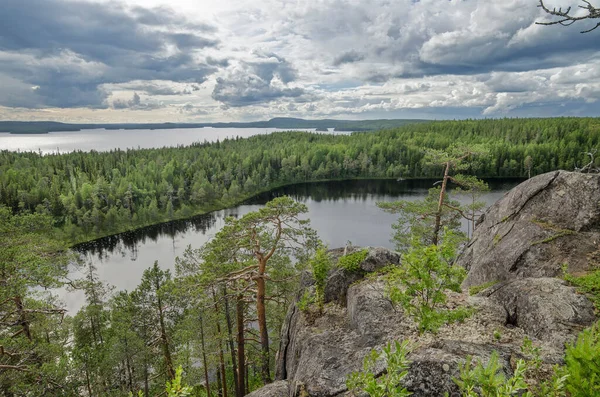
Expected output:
(67, 49)
(260, 81)
(348, 57)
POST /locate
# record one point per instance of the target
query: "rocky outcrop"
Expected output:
(519, 248)
(545, 308)
(340, 279)
(545, 223)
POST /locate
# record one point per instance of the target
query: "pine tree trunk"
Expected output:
(164, 338)
(241, 345)
(438, 214)
(231, 344)
(262, 325)
(204, 358)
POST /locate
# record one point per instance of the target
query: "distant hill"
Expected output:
(41, 127)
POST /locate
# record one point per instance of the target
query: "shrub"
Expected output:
(420, 283)
(527, 379)
(320, 265)
(388, 384)
(582, 364)
(175, 388)
(306, 300)
(351, 262)
(489, 380)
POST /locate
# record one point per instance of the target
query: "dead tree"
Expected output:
(567, 18)
(591, 166)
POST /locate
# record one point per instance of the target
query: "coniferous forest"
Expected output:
(99, 193)
(214, 324)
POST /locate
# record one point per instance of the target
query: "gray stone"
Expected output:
(542, 224)
(340, 279)
(275, 389)
(545, 308)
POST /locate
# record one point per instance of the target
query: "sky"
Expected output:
(243, 60)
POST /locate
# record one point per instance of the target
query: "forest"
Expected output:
(212, 327)
(95, 194)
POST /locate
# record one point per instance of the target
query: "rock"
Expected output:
(340, 279)
(542, 224)
(520, 246)
(433, 368)
(318, 356)
(545, 308)
(275, 389)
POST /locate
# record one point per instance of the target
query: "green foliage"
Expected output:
(474, 290)
(588, 284)
(416, 219)
(419, 285)
(472, 187)
(489, 380)
(320, 264)
(497, 335)
(306, 301)
(94, 194)
(175, 388)
(582, 364)
(389, 384)
(33, 336)
(352, 262)
(527, 380)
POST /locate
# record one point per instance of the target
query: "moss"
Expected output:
(351, 262)
(559, 232)
(497, 239)
(474, 290)
(554, 237)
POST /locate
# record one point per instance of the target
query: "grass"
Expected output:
(474, 290)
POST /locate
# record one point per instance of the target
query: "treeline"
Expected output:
(94, 194)
(40, 127)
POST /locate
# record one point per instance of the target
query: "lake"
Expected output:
(340, 211)
(104, 140)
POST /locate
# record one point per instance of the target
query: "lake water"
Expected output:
(339, 211)
(105, 140)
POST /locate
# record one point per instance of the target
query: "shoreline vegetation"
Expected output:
(243, 200)
(99, 194)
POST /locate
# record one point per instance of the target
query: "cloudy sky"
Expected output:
(237, 60)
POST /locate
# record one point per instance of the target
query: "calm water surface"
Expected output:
(104, 140)
(339, 211)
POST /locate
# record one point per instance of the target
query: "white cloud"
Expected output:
(345, 58)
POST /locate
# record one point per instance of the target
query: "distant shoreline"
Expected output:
(43, 127)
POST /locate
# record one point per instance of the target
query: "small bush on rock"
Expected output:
(388, 384)
(351, 262)
(582, 364)
(320, 264)
(419, 285)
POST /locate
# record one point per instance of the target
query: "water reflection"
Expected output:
(332, 194)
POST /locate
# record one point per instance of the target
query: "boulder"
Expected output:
(275, 389)
(546, 223)
(545, 308)
(339, 279)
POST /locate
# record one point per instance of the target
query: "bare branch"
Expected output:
(565, 18)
